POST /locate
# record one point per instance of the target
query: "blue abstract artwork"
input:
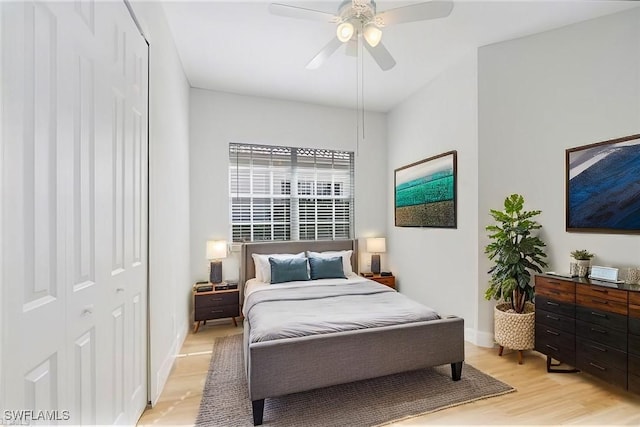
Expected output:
(603, 186)
(425, 193)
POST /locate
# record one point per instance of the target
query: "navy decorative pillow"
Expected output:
(326, 268)
(288, 270)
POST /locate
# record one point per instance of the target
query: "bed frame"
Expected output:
(291, 365)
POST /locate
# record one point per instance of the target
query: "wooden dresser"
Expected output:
(591, 325)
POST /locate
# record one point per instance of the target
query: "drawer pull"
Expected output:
(554, 282)
(552, 332)
(552, 303)
(604, 291)
(599, 301)
(604, 350)
(552, 317)
(604, 316)
(217, 311)
(552, 347)
(602, 331)
(597, 366)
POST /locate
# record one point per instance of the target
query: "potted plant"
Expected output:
(516, 253)
(580, 268)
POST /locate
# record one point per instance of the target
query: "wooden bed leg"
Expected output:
(456, 371)
(258, 411)
(500, 350)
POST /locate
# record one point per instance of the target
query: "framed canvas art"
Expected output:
(603, 186)
(425, 192)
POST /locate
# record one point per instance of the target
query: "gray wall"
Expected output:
(511, 113)
(218, 118)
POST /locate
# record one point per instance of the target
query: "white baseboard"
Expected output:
(169, 361)
(479, 338)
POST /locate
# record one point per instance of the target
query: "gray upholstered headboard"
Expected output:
(247, 268)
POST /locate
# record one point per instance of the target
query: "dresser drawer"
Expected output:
(601, 335)
(555, 289)
(602, 318)
(602, 353)
(634, 326)
(555, 321)
(634, 383)
(602, 298)
(634, 364)
(555, 306)
(217, 299)
(604, 371)
(634, 305)
(555, 343)
(634, 344)
(216, 312)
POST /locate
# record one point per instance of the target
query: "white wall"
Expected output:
(540, 95)
(436, 266)
(218, 118)
(169, 277)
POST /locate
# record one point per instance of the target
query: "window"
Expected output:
(285, 193)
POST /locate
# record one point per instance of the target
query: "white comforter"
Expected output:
(297, 309)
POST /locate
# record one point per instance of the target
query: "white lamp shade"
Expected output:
(216, 249)
(376, 245)
(345, 31)
(372, 34)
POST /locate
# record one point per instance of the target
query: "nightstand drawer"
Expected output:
(217, 299)
(217, 312)
(386, 280)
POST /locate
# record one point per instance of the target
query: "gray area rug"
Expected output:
(225, 399)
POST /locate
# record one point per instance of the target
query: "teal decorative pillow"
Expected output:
(288, 269)
(326, 268)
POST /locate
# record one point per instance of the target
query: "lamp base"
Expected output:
(215, 274)
(375, 264)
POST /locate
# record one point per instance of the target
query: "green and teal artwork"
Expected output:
(425, 192)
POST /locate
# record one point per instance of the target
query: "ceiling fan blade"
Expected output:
(416, 12)
(300, 12)
(325, 53)
(381, 56)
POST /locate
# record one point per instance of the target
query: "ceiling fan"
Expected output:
(359, 18)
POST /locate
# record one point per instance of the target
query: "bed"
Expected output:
(292, 362)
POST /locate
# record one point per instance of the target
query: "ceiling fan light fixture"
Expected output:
(372, 34)
(345, 32)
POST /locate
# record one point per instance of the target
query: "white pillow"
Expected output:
(263, 267)
(346, 258)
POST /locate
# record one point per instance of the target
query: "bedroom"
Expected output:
(595, 63)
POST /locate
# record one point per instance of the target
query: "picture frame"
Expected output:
(603, 187)
(425, 192)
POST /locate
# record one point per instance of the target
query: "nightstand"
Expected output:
(215, 305)
(390, 281)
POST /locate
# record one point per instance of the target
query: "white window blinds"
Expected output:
(285, 193)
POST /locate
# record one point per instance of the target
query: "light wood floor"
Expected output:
(541, 398)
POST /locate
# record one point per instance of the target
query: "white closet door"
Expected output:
(74, 132)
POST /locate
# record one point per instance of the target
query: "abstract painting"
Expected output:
(603, 186)
(425, 192)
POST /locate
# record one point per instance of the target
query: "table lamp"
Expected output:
(376, 245)
(216, 251)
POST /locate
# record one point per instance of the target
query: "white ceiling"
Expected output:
(239, 47)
